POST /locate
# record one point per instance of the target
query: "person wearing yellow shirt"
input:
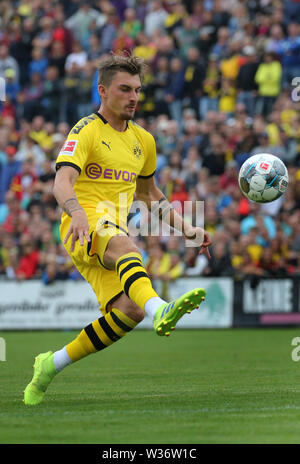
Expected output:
(268, 79)
(106, 160)
(210, 98)
(227, 97)
(131, 25)
(145, 48)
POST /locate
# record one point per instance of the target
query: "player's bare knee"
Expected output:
(138, 315)
(133, 311)
(129, 308)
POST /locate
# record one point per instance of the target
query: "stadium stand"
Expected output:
(221, 85)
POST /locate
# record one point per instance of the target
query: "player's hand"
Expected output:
(79, 229)
(201, 238)
(204, 247)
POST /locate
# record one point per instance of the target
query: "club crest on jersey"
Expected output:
(137, 150)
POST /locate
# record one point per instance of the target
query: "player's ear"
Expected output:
(102, 90)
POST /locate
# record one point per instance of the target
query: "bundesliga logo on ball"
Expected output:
(263, 178)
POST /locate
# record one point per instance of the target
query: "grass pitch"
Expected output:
(200, 386)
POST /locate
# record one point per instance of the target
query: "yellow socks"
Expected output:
(114, 325)
(100, 334)
(134, 279)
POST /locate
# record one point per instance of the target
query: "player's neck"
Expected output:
(115, 122)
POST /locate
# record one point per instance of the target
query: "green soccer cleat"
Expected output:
(44, 372)
(168, 314)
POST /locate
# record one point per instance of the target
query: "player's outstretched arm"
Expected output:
(66, 198)
(157, 203)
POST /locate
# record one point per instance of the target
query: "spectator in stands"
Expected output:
(28, 263)
(210, 91)
(80, 21)
(12, 87)
(43, 38)
(215, 156)
(194, 263)
(268, 79)
(9, 255)
(131, 25)
(108, 32)
(32, 96)
(289, 52)
(202, 139)
(246, 85)
(70, 88)
(221, 48)
(57, 57)
(8, 170)
(155, 18)
(193, 78)
(85, 106)
(77, 59)
(220, 263)
(8, 62)
(174, 90)
(51, 95)
(23, 182)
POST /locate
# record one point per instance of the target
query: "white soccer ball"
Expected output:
(263, 178)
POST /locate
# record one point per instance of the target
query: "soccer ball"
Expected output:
(263, 178)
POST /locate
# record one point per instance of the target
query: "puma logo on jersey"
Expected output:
(106, 144)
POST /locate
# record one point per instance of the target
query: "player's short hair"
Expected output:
(110, 66)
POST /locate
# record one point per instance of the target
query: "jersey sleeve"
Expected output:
(149, 167)
(75, 150)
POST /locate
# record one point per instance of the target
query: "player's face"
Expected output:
(122, 95)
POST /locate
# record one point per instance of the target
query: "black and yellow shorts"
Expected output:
(88, 259)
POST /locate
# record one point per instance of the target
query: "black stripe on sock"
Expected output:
(120, 323)
(132, 279)
(89, 330)
(108, 330)
(125, 260)
(129, 266)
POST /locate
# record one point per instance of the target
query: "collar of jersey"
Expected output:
(106, 122)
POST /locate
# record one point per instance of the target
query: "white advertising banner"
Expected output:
(73, 305)
(33, 305)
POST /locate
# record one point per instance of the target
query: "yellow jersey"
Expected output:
(109, 163)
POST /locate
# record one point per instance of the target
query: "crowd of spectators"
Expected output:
(222, 83)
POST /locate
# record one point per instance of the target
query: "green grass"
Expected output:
(209, 386)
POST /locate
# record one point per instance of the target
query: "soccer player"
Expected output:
(106, 159)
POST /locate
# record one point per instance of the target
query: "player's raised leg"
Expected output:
(122, 253)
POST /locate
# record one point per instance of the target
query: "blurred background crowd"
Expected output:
(223, 83)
